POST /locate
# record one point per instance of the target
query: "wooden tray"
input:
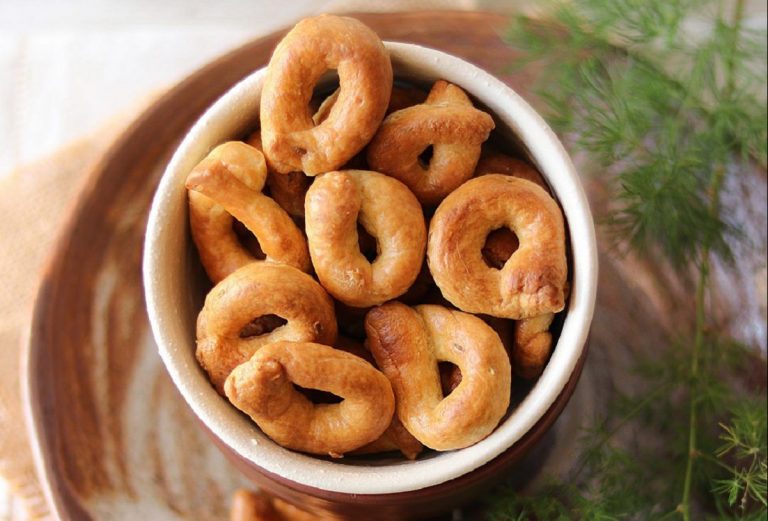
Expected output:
(112, 436)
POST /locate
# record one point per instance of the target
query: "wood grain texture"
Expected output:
(114, 439)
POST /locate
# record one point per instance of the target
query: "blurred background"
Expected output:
(68, 66)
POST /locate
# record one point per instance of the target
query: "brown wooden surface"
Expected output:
(115, 437)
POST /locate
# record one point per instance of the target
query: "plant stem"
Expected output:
(701, 286)
(715, 185)
(685, 504)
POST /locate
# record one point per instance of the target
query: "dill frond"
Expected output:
(665, 117)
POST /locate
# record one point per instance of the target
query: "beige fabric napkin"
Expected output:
(35, 201)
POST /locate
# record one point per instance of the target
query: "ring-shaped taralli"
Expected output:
(388, 211)
(292, 141)
(263, 388)
(408, 343)
(227, 184)
(532, 281)
(449, 123)
(260, 289)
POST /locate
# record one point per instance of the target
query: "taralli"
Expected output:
(227, 184)
(499, 246)
(349, 195)
(532, 281)
(408, 343)
(396, 437)
(498, 163)
(258, 506)
(449, 124)
(402, 97)
(388, 211)
(226, 335)
(288, 190)
(532, 341)
(532, 346)
(263, 388)
(292, 141)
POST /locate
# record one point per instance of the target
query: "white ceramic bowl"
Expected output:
(170, 263)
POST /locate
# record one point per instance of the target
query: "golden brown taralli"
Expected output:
(532, 281)
(532, 346)
(263, 388)
(258, 506)
(255, 290)
(531, 342)
(227, 184)
(497, 163)
(288, 190)
(388, 211)
(292, 141)
(448, 123)
(395, 438)
(408, 343)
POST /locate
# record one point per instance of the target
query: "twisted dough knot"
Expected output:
(292, 141)
(408, 343)
(388, 211)
(226, 184)
(449, 123)
(532, 281)
(256, 290)
(263, 388)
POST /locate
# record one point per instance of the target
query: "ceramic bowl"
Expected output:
(386, 488)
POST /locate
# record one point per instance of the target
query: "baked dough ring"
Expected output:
(388, 211)
(258, 506)
(532, 281)
(288, 190)
(226, 184)
(292, 142)
(532, 345)
(263, 388)
(255, 290)
(408, 343)
(498, 163)
(395, 438)
(450, 124)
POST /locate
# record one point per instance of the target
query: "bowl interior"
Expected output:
(173, 288)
